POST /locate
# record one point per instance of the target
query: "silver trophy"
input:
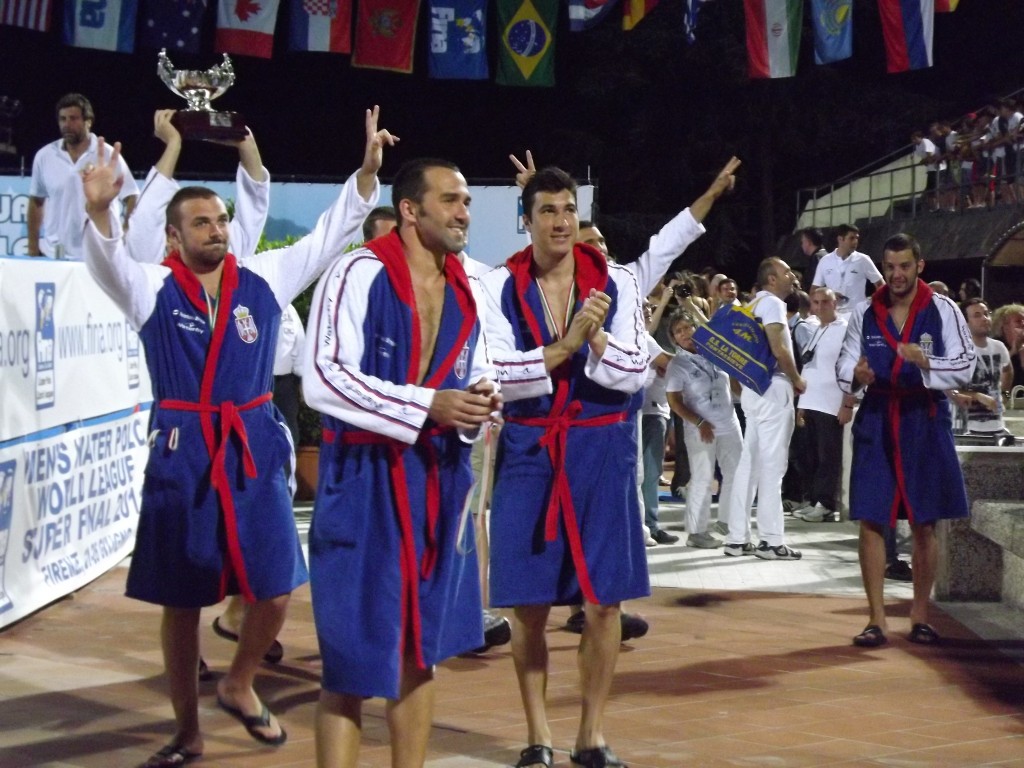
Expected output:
(199, 88)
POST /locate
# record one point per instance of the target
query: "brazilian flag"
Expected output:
(527, 42)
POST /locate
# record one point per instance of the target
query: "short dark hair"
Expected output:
(844, 229)
(76, 100)
(585, 223)
(725, 280)
(680, 316)
(380, 213)
(972, 287)
(183, 195)
(550, 179)
(766, 269)
(411, 180)
(902, 242)
(813, 234)
(973, 301)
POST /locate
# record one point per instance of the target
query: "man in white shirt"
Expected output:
(982, 399)
(927, 155)
(56, 205)
(769, 427)
(846, 271)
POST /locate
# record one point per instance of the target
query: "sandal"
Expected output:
(923, 634)
(871, 637)
(536, 754)
(596, 757)
(171, 756)
(253, 723)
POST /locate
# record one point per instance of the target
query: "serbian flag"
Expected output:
(385, 34)
(773, 36)
(634, 11)
(108, 27)
(172, 24)
(458, 46)
(584, 14)
(946, 6)
(30, 14)
(320, 25)
(246, 27)
(907, 27)
(833, 30)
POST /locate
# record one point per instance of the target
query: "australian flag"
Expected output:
(176, 25)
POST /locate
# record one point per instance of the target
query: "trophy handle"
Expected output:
(164, 69)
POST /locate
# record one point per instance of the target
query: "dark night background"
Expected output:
(650, 117)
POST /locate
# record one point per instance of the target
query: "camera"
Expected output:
(806, 357)
(683, 291)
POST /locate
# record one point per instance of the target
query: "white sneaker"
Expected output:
(819, 513)
(703, 541)
(650, 542)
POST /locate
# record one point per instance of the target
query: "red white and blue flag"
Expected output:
(109, 26)
(29, 14)
(907, 27)
(584, 14)
(320, 25)
(246, 27)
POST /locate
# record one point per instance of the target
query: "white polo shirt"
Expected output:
(848, 277)
(826, 342)
(703, 387)
(57, 179)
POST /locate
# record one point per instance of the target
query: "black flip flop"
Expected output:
(273, 655)
(171, 756)
(536, 754)
(871, 637)
(923, 634)
(596, 757)
(252, 722)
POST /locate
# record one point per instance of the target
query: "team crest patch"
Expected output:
(462, 363)
(245, 324)
(926, 343)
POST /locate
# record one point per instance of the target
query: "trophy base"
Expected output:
(201, 125)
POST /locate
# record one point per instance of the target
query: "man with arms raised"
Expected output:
(904, 347)
(397, 365)
(566, 334)
(216, 513)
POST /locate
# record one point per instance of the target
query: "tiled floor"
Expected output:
(748, 663)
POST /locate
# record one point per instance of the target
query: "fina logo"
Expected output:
(45, 298)
(7, 473)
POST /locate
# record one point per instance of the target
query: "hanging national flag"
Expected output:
(172, 24)
(246, 27)
(385, 34)
(320, 25)
(634, 11)
(30, 14)
(527, 54)
(109, 26)
(690, 10)
(773, 36)
(946, 6)
(458, 49)
(833, 30)
(907, 27)
(584, 14)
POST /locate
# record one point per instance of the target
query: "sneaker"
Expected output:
(650, 542)
(794, 508)
(738, 550)
(575, 623)
(899, 570)
(702, 541)
(497, 631)
(633, 626)
(819, 513)
(721, 527)
(781, 552)
(664, 537)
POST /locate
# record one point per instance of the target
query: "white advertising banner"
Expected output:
(69, 508)
(66, 351)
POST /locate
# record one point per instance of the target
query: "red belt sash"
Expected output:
(230, 422)
(400, 491)
(556, 434)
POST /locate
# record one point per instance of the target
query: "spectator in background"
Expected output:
(380, 221)
(982, 398)
(927, 155)
(56, 205)
(969, 289)
(1008, 326)
(291, 338)
(812, 244)
(847, 271)
(939, 287)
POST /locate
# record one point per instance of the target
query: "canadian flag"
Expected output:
(246, 27)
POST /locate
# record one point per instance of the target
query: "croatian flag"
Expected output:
(30, 14)
(246, 27)
(320, 25)
(108, 27)
(907, 27)
(773, 36)
(584, 14)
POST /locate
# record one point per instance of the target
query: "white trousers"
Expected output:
(726, 448)
(770, 418)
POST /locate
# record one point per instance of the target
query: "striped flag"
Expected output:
(833, 30)
(30, 14)
(584, 14)
(907, 27)
(946, 6)
(246, 27)
(634, 11)
(108, 27)
(320, 25)
(773, 36)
